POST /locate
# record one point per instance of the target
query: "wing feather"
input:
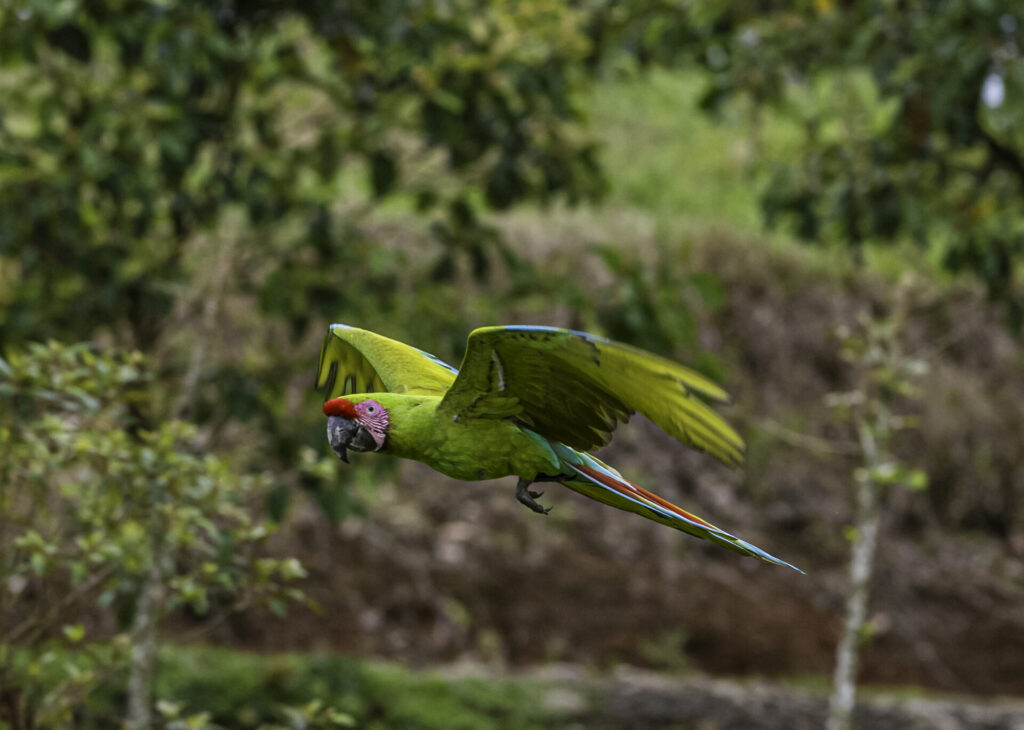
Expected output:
(354, 360)
(575, 388)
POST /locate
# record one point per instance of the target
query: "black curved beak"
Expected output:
(340, 432)
(344, 434)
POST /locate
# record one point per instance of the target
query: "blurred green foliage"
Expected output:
(92, 502)
(880, 407)
(676, 163)
(241, 690)
(127, 128)
(912, 123)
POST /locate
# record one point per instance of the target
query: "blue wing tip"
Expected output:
(547, 328)
(776, 561)
(768, 557)
(436, 359)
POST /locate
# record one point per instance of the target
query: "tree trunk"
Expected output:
(144, 649)
(145, 645)
(841, 704)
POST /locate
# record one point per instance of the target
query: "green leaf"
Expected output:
(167, 709)
(916, 479)
(74, 632)
(887, 473)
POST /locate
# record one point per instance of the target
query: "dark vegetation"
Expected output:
(210, 184)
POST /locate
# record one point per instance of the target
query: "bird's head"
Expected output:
(360, 426)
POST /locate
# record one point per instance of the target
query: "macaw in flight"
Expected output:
(528, 401)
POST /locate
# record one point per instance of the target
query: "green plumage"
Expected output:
(468, 449)
(528, 401)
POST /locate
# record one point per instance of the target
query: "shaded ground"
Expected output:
(643, 700)
(441, 571)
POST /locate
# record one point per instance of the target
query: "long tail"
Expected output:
(601, 482)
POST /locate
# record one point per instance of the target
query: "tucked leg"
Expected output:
(529, 497)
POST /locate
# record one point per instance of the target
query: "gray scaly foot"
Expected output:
(529, 497)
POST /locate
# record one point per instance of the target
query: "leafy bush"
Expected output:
(94, 508)
(241, 690)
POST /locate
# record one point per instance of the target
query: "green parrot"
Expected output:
(528, 401)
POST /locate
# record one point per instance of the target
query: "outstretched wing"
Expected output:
(575, 388)
(354, 360)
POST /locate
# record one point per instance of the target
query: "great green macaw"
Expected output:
(528, 401)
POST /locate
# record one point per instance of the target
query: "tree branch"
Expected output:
(841, 704)
(35, 625)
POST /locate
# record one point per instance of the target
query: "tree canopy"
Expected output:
(911, 119)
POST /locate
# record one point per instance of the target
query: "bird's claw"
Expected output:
(529, 497)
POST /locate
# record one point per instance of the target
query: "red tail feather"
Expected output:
(623, 485)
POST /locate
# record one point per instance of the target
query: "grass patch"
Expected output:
(242, 690)
(664, 155)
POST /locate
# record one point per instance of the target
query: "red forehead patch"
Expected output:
(340, 407)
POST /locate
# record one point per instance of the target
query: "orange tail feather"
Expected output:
(623, 485)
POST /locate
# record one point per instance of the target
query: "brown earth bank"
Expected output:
(439, 570)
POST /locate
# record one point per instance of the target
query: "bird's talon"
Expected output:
(529, 497)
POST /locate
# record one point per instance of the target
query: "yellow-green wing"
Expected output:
(354, 360)
(575, 388)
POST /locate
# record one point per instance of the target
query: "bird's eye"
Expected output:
(369, 409)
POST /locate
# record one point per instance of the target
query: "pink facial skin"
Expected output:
(372, 416)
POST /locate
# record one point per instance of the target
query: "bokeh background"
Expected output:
(818, 204)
